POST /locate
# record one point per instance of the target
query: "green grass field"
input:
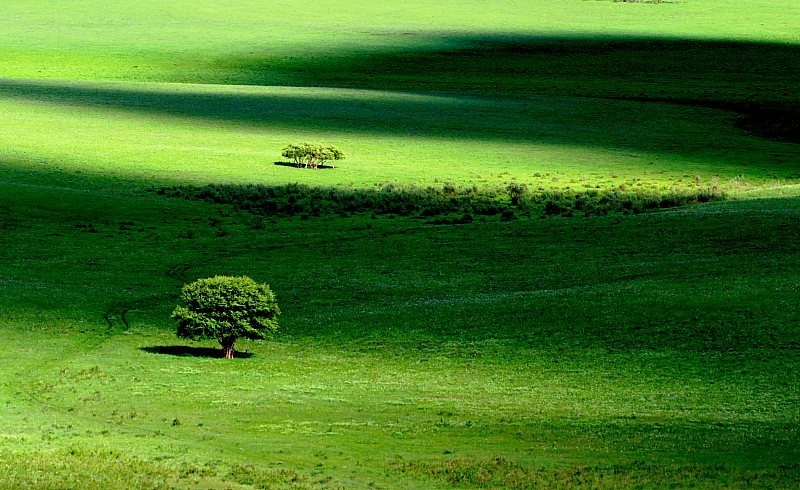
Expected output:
(655, 350)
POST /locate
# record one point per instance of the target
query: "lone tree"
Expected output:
(226, 308)
(312, 155)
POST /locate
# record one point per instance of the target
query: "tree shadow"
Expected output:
(186, 351)
(296, 165)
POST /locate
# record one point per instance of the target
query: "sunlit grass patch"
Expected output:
(85, 469)
(278, 479)
(148, 133)
(103, 469)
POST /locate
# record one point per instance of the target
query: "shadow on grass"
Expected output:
(586, 66)
(505, 88)
(186, 351)
(755, 79)
(295, 165)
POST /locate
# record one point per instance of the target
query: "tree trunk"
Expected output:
(228, 350)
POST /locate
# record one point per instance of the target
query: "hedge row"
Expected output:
(411, 200)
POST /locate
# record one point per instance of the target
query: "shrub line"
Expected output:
(447, 200)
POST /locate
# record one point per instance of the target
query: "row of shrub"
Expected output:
(411, 200)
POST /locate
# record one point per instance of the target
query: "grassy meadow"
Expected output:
(417, 351)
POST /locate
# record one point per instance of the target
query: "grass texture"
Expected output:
(665, 338)
(563, 340)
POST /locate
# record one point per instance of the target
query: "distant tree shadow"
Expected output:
(295, 165)
(186, 351)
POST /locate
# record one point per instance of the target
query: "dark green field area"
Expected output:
(651, 350)
(515, 280)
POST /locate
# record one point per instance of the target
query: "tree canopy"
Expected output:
(226, 308)
(312, 155)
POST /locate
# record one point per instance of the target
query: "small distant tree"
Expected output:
(312, 154)
(226, 308)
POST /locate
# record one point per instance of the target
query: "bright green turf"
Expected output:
(148, 39)
(644, 351)
(522, 91)
(201, 133)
